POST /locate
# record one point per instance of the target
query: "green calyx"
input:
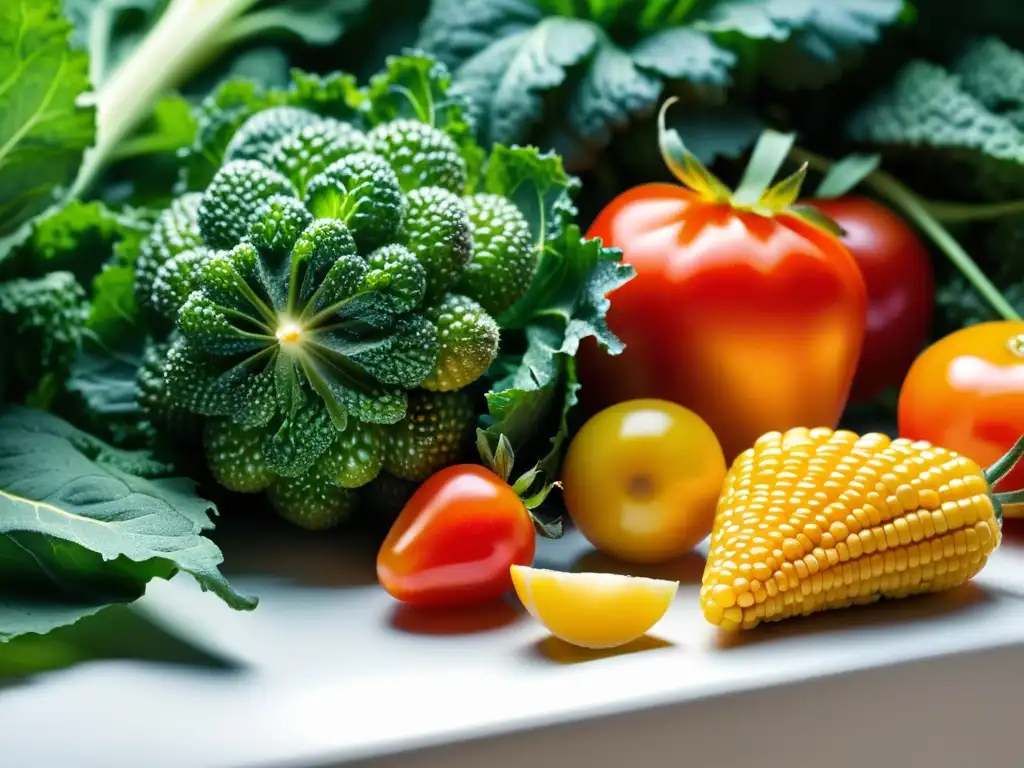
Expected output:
(756, 193)
(500, 462)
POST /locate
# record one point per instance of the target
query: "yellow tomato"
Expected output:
(641, 480)
(593, 610)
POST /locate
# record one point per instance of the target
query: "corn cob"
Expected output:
(815, 519)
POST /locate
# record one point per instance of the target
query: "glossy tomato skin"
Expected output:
(753, 323)
(641, 480)
(966, 393)
(901, 290)
(455, 540)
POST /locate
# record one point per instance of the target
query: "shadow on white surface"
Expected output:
(558, 651)
(923, 608)
(471, 620)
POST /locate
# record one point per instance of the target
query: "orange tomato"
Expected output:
(966, 393)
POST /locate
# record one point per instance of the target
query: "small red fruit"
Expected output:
(455, 540)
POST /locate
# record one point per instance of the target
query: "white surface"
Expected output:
(327, 678)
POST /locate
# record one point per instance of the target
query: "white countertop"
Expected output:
(330, 671)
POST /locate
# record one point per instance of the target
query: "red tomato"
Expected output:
(455, 540)
(901, 290)
(966, 393)
(753, 323)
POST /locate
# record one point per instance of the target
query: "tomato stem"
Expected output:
(755, 193)
(1005, 464)
(917, 210)
(962, 213)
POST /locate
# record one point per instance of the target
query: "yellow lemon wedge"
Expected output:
(593, 610)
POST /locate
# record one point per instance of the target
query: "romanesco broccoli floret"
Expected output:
(436, 229)
(158, 410)
(256, 138)
(420, 154)
(361, 191)
(468, 339)
(235, 456)
(313, 500)
(310, 150)
(332, 304)
(435, 431)
(176, 231)
(504, 258)
(229, 205)
(41, 324)
(927, 120)
(993, 73)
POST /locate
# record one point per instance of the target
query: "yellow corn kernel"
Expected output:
(854, 520)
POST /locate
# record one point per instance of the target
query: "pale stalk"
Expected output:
(188, 34)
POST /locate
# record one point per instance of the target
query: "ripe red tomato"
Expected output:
(901, 290)
(753, 323)
(966, 393)
(455, 540)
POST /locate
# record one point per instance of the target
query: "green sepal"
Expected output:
(684, 164)
(500, 462)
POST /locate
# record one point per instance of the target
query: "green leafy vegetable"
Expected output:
(45, 126)
(926, 122)
(84, 526)
(993, 73)
(593, 67)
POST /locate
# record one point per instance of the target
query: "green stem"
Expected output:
(1005, 465)
(187, 35)
(917, 211)
(957, 213)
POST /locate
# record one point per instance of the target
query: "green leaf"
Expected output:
(569, 293)
(537, 183)
(806, 43)
(612, 91)
(924, 122)
(81, 529)
(77, 237)
(571, 74)
(507, 81)
(171, 127)
(316, 22)
(846, 174)
(45, 127)
(681, 53)
(993, 73)
(570, 385)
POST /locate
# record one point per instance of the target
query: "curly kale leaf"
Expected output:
(84, 526)
(45, 128)
(565, 303)
(578, 72)
(927, 122)
(993, 73)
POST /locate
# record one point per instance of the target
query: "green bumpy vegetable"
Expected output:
(312, 289)
(41, 324)
(176, 231)
(336, 275)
